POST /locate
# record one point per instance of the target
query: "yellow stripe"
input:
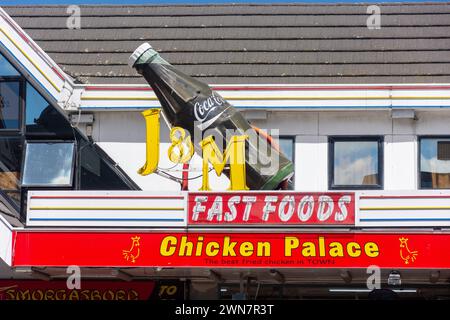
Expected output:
(31, 60)
(283, 98)
(106, 208)
(404, 208)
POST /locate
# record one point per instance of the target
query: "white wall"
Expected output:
(122, 136)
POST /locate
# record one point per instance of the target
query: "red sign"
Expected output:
(272, 208)
(213, 250)
(90, 290)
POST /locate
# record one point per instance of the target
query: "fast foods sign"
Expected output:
(238, 249)
(271, 208)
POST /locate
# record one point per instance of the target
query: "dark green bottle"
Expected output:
(192, 105)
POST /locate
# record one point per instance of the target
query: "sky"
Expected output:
(122, 2)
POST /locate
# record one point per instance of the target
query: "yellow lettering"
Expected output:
(49, 295)
(152, 141)
(168, 246)
(96, 295)
(371, 249)
(178, 138)
(322, 246)
(60, 295)
(37, 295)
(228, 247)
(263, 249)
(185, 247)
(11, 294)
(353, 249)
(133, 295)
(25, 295)
(198, 249)
(246, 249)
(120, 295)
(336, 249)
(84, 295)
(212, 249)
(290, 243)
(234, 152)
(309, 249)
(73, 295)
(110, 293)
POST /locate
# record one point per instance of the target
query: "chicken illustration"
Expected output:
(133, 253)
(405, 253)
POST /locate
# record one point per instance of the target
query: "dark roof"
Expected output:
(295, 43)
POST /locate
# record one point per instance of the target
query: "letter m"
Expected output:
(234, 154)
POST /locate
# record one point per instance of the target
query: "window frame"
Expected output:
(290, 137)
(344, 138)
(293, 138)
(72, 173)
(419, 152)
(22, 94)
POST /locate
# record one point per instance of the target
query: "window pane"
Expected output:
(9, 104)
(42, 119)
(434, 163)
(48, 164)
(6, 69)
(287, 147)
(96, 174)
(356, 163)
(10, 162)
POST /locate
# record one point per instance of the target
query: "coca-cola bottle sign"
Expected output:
(202, 109)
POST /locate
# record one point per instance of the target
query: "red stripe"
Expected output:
(36, 49)
(118, 88)
(106, 197)
(274, 88)
(403, 197)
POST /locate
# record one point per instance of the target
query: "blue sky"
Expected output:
(42, 2)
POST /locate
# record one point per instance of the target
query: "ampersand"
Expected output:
(181, 141)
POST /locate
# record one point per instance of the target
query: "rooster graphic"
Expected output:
(405, 253)
(133, 253)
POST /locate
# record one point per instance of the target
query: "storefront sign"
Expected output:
(271, 208)
(215, 250)
(90, 290)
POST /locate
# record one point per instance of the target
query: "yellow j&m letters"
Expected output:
(182, 150)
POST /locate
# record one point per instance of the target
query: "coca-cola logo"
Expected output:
(202, 109)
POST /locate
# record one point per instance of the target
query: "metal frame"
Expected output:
(419, 151)
(74, 146)
(375, 138)
(22, 93)
(293, 138)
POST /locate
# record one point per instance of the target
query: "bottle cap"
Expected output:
(137, 53)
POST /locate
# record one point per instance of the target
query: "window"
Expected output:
(287, 146)
(10, 165)
(6, 68)
(9, 105)
(50, 150)
(48, 164)
(355, 163)
(434, 162)
(96, 173)
(42, 119)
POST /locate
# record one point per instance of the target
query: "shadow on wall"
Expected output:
(124, 127)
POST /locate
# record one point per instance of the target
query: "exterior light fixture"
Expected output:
(346, 276)
(214, 275)
(403, 114)
(434, 276)
(33, 272)
(277, 275)
(394, 279)
(119, 274)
